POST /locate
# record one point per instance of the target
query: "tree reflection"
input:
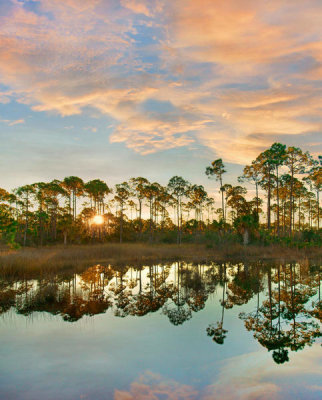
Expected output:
(284, 320)
(178, 310)
(217, 331)
(286, 298)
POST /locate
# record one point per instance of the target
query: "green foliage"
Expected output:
(8, 227)
(247, 224)
(312, 236)
(63, 211)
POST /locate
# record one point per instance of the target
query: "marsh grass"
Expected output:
(78, 257)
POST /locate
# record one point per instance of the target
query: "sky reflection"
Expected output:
(133, 350)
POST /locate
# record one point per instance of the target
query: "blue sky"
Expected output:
(114, 89)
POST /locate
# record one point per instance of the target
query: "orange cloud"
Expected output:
(137, 6)
(152, 386)
(252, 376)
(237, 73)
(12, 122)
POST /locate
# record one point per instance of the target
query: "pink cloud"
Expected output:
(151, 386)
(259, 81)
(12, 122)
(252, 376)
(137, 6)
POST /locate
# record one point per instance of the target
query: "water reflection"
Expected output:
(288, 302)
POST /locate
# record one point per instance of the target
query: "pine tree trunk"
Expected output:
(278, 202)
(222, 200)
(269, 201)
(318, 201)
(257, 206)
(291, 203)
(121, 224)
(26, 221)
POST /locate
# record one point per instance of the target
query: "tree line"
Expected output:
(287, 181)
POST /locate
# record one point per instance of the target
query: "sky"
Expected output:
(114, 89)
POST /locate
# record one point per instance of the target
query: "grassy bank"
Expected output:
(58, 257)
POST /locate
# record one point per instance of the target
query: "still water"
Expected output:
(173, 331)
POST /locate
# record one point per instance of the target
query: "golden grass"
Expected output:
(57, 258)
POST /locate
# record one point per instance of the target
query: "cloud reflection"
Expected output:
(250, 376)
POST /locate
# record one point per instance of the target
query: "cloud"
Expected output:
(261, 70)
(153, 135)
(152, 386)
(12, 122)
(91, 128)
(5, 97)
(16, 122)
(237, 74)
(244, 31)
(138, 7)
(252, 376)
(250, 121)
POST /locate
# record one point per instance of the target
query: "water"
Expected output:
(177, 331)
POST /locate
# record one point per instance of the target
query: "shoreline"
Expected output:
(56, 258)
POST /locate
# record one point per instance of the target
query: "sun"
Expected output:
(98, 219)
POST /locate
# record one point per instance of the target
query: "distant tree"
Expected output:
(138, 189)
(252, 173)
(236, 200)
(8, 225)
(297, 163)
(97, 190)
(178, 187)
(217, 169)
(24, 193)
(198, 197)
(40, 195)
(315, 180)
(266, 167)
(277, 158)
(53, 192)
(122, 193)
(74, 187)
(150, 193)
